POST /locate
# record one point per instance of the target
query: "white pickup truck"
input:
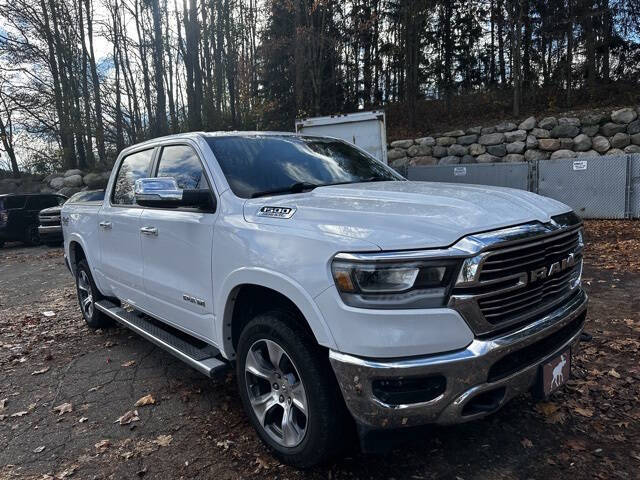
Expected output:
(338, 289)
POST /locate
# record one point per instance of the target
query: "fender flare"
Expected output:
(75, 238)
(275, 281)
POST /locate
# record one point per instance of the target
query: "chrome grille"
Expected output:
(505, 292)
(49, 220)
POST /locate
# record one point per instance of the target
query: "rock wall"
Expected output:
(67, 183)
(593, 134)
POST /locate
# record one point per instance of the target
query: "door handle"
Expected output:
(149, 231)
(106, 225)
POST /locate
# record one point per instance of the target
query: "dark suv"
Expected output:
(50, 228)
(19, 215)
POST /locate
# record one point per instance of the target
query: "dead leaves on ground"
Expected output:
(127, 418)
(64, 408)
(163, 440)
(146, 400)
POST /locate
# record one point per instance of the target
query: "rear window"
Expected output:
(91, 196)
(40, 202)
(9, 203)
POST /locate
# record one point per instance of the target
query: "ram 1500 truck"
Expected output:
(338, 289)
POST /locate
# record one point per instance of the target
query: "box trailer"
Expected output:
(367, 130)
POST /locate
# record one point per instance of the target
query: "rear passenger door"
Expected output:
(119, 230)
(177, 255)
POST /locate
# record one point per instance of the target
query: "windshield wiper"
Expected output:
(297, 187)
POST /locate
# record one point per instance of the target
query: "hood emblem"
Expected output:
(276, 212)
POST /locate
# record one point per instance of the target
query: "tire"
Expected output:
(31, 236)
(312, 437)
(88, 294)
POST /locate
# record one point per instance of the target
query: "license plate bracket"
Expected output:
(554, 373)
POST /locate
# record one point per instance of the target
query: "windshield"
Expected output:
(256, 165)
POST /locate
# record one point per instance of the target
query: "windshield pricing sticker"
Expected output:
(460, 171)
(580, 165)
(276, 212)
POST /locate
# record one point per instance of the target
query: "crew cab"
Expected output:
(343, 294)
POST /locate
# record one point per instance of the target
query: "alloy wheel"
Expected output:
(84, 294)
(276, 393)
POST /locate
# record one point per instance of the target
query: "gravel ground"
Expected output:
(64, 389)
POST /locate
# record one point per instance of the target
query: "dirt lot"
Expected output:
(63, 389)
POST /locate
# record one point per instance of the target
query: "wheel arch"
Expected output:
(266, 291)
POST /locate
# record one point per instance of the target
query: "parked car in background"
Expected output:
(19, 215)
(50, 230)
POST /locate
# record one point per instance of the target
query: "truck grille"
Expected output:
(49, 220)
(508, 290)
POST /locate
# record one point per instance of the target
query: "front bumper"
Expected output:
(498, 369)
(50, 232)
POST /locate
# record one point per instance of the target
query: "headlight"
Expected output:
(394, 285)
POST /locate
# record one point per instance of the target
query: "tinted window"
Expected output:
(253, 165)
(40, 202)
(133, 167)
(12, 202)
(182, 163)
(89, 196)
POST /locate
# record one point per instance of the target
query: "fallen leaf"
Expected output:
(39, 449)
(83, 419)
(614, 374)
(19, 414)
(67, 473)
(3, 403)
(49, 313)
(585, 412)
(42, 370)
(130, 363)
(547, 408)
(127, 418)
(575, 444)
(95, 389)
(102, 445)
(64, 408)
(163, 440)
(146, 400)
(526, 443)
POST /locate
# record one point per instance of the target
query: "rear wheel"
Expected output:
(288, 390)
(88, 295)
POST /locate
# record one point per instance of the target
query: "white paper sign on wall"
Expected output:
(580, 165)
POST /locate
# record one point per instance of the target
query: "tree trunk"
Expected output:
(95, 81)
(158, 69)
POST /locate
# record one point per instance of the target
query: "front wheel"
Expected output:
(288, 390)
(31, 236)
(88, 295)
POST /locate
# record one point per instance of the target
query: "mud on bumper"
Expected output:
(458, 386)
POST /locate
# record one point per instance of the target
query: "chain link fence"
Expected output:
(595, 187)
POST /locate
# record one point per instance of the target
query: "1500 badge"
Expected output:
(276, 212)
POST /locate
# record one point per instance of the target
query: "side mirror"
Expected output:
(163, 192)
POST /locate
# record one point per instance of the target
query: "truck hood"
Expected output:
(406, 215)
(51, 211)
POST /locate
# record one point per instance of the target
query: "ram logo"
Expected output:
(557, 267)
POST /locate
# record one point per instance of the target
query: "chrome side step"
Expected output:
(202, 359)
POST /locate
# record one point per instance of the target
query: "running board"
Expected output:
(202, 359)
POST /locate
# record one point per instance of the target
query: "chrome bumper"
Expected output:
(466, 373)
(50, 230)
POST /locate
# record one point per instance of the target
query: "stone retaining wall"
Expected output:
(593, 134)
(67, 183)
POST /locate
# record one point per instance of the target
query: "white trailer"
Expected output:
(367, 130)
